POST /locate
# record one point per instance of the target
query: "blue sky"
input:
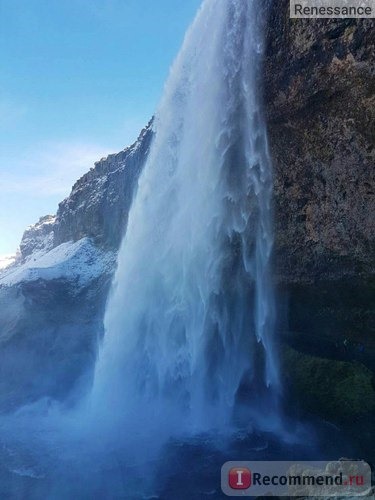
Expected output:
(78, 80)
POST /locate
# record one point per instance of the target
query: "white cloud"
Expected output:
(50, 169)
(6, 260)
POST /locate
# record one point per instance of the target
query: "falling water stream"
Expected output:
(190, 322)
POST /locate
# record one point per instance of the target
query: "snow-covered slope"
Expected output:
(79, 261)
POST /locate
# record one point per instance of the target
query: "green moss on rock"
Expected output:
(336, 390)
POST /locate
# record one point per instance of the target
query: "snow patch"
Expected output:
(80, 261)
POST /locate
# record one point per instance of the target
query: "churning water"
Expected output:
(190, 322)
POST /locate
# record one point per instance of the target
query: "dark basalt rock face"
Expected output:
(320, 103)
(319, 92)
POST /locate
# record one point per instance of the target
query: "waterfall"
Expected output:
(190, 320)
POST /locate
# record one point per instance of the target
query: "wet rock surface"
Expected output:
(319, 82)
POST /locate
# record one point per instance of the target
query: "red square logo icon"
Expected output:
(239, 478)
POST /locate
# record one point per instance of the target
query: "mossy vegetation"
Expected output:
(339, 391)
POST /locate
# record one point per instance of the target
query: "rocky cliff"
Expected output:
(319, 84)
(97, 206)
(99, 203)
(320, 103)
(319, 93)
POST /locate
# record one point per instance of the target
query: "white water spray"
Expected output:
(190, 322)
